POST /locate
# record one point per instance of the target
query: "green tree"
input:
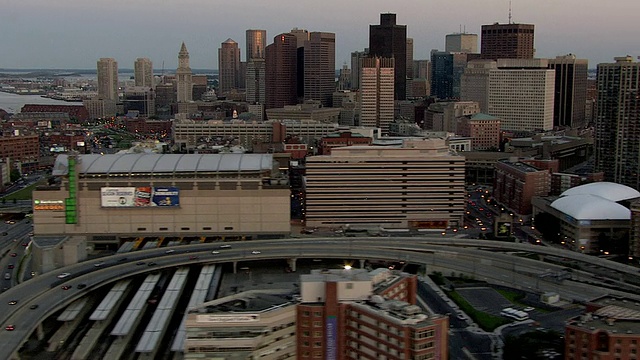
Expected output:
(14, 175)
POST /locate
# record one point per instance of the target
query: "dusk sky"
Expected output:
(75, 33)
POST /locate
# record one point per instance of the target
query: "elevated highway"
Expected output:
(487, 260)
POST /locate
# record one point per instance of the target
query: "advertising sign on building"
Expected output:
(167, 196)
(117, 197)
(503, 229)
(332, 337)
(48, 205)
(142, 196)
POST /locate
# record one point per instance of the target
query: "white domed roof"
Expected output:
(607, 190)
(591, 207)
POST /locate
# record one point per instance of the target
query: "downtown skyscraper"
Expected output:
(571, 91)
(108, 79)
(617, 123)
(507, 41)
(228, 66)
(377, 92)
(143, 72)
(319, 67)
(389, 40)
(256, 42)
(281, 71)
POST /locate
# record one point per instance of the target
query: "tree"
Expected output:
(14, 175)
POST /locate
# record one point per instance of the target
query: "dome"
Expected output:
(591, 207)
(607, 190)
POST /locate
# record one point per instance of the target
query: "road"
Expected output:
(461, 255)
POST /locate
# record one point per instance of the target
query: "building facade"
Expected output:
(608, 330)
(183, 76)
(228, 66)
(256, 81)
(355, 314)
(483, 129)
(389, 40)
(109, 197)
(356, 64)
(516, 183)
(249, 325)
(320, 67)
(441, 74)
(108, 78)
(570, 91)
(281, 71)
(474, 82)
(341, 139)
(376, 92)
(461, 42)
(21, 149)
(143, 72)
(507, 41)
(188, 133)
(256, 43)
(422, 186)
(617, 132)
(521, 94)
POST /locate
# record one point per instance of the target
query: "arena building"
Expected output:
(591, 214)
(107, 198)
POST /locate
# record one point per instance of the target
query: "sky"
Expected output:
(74, 34)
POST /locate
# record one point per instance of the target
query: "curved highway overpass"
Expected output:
(485, 260)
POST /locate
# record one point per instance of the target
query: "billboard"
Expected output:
(142, 196)
(503, 229)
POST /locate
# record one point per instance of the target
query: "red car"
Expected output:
(10, 328)
(14, 254)
(10, 266)
(66, 287)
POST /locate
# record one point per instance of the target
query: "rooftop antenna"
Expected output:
(509, 11)
(162, 73)
(460, 29)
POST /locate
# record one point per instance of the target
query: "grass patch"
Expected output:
(512, 296)
(25, 193)
(486, 321)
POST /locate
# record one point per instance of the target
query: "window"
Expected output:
(349, 286)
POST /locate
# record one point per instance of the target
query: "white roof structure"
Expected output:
(607, 190)
(146, 163)
(591, 207)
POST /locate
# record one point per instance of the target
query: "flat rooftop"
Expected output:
(254, 301)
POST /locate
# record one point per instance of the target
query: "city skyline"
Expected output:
(70, 34)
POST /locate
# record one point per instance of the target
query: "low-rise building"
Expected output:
(356, 314)
(258, 324)
(609, 330)
(516, 183)
(340, 139)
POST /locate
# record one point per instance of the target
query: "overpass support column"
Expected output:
(40, 332)
(292, 264)
(362, 263)
(235, 267)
